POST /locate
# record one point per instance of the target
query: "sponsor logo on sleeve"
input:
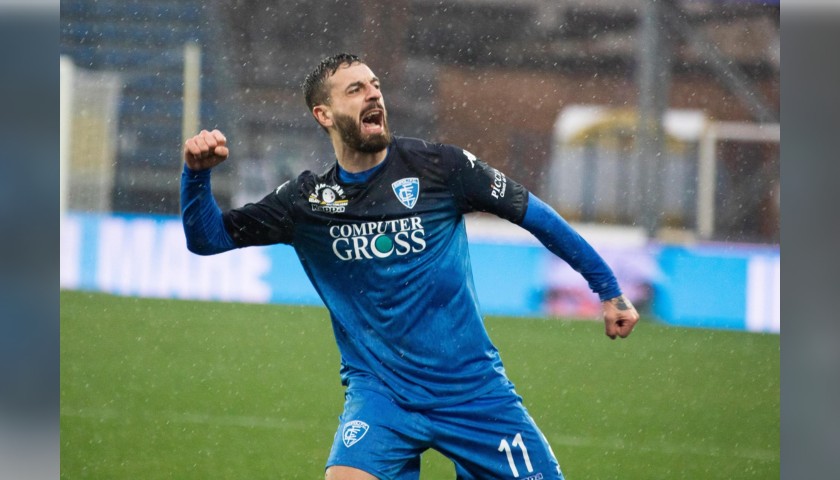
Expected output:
(499, 185)
(353, 432)
(407, 190)
(472, 158)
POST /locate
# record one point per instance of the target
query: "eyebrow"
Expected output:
(360, 82)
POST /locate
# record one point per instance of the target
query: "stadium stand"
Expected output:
(143, 42)
(459, 68)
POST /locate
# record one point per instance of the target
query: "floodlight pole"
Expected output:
(192, 91)
(653, 67)
(732, 77)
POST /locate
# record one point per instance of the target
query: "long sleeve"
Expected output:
(562, 240)
(201, 216)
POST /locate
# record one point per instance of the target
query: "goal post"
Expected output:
(88, 135)
(708, 160)
(66, 74)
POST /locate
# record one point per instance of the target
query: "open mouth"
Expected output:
(373, 121)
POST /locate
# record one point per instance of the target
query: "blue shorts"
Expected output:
(492, 436)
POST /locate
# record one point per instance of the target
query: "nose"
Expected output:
(372, 93)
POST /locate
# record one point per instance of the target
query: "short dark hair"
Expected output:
(314, 87)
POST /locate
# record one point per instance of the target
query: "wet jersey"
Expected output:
(390, 260)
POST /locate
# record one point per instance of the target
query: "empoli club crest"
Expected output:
(407, 190)
(353, 432)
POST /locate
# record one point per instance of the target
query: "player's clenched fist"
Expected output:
(620, 316)
(205, 150)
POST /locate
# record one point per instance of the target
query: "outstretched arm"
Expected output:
(201, 216)
(561, 239)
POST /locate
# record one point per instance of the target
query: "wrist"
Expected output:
(195, 173)
(620, 302)
(611, 292)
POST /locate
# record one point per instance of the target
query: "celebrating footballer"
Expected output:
(381, 236)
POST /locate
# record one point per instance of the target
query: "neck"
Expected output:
(355, 161)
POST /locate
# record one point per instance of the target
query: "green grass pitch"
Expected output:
(158, 389)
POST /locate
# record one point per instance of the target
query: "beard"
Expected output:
(351, 133)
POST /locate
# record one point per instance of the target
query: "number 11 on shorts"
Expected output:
(504, 446)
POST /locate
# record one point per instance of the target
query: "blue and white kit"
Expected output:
(387, 252)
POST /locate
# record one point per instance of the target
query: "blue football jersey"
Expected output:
(390, 260)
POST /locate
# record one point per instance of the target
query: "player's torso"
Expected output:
(402, 212)
(390, 259)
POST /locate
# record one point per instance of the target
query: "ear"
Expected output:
(323, 115)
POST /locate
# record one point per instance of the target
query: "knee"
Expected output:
(340, 472)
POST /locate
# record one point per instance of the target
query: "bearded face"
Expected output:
(370, 135)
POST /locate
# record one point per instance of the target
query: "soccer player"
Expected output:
(381, 236)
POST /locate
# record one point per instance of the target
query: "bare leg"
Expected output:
(338, 472)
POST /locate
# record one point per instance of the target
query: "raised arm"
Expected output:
(201, 216)
(205, 150)
(561, 239)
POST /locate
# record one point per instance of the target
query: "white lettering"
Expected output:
(499, 184)
(125, 255)
(360, 248)
(402, 245)
(149, 258)
(417, 236)
(176, 269)
(368, 240)
(346, 253)
(763, 306)
(70, 243)
(415, 223)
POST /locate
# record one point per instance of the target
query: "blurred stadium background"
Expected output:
(493, 76)
(653, 126)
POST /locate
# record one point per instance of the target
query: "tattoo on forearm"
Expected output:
(621, 303)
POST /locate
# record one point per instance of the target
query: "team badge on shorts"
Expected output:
(407, 190)
(353, 432)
